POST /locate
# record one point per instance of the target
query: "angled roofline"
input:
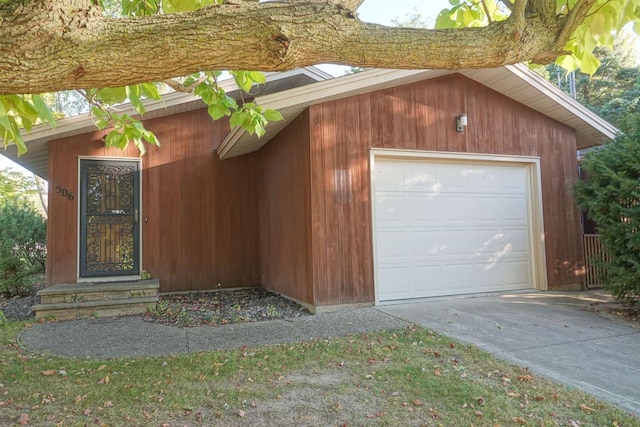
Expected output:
(514, 81)
(36, 159)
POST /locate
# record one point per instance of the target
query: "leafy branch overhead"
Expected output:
(54, 45)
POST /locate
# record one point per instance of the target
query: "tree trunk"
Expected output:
(53, 45)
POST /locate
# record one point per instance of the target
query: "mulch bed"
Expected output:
(223, 307)
(192, 309)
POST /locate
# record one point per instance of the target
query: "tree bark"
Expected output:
(53, 45)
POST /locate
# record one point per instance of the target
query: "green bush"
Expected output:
(22, 246)
(611, 197)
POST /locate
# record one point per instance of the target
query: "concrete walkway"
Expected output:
(549, 332)
(133, 337)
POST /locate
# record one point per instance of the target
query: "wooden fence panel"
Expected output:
(593, 252)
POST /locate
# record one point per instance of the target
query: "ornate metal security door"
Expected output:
(109, 212)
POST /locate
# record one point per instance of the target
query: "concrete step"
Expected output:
(106, 299)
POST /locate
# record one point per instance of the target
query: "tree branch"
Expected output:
(179, 87)
(575, 17)
(52, 45)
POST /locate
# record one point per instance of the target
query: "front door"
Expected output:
(109, 212)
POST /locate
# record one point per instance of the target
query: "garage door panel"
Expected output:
(421, 208)
(488, 275)
(424, 276)
(512, 178)
(517, 273)
(421, 176)
(452, 178)
(423, 244)
(392, 246)
(393, 283)
(450, 228)
(453, 209)
(454, 243)
(518, 241)
(390, 209)
(389, 176)
(513, 210)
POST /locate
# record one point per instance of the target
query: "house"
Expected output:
(379, 186)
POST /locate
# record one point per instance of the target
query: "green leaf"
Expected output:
(589, 64)
(133, 93)
(272, 115)
(114, 95)
(9, 131)
(150, 90)
(43, 110)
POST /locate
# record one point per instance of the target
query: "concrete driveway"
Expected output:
(549, 332)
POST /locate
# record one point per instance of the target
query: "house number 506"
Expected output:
(64, 192)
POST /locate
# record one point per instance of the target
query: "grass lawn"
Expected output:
(412, 377)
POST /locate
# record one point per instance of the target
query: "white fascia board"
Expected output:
(337, 88)
(571, 105)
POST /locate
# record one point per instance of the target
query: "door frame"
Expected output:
(122, 278)
(538, 270)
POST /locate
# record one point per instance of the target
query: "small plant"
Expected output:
(3, 318)
(145, 275)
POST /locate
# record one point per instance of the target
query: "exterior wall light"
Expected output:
(461, 122)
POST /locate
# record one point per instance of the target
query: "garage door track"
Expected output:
(551, 333)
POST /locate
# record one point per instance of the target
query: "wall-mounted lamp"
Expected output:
(461, 122)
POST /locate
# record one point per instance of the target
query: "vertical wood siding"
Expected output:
(422, 116)
(284, 211)
(199, 226)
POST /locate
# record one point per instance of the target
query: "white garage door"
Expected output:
(446, 228)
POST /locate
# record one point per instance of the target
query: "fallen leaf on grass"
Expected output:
(525, 377)
(101, 367)
(86, 412)
(108, 404)
(48, 372)
(104, 380)
(518, 420)
(574, 423)
(436, 372)
(478, 413)
(241, 413)
(24, 419)
(586, 409)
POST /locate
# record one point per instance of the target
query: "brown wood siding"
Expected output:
(199, 228)
(422, 116)
(284, 211)
(340, 201)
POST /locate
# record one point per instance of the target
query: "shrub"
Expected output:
(22, 245)
(611, 197)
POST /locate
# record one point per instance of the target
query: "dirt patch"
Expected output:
(612, 310)
(301, 399)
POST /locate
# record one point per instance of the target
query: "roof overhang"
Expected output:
(36, 159)
(514, 81)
